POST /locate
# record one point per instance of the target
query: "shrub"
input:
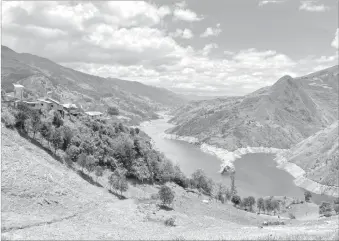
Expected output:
(99, 171)
(325, 207)
(336, 208)
(57, 119)
(201, 181)
(170, 222)
(291, 216)
(73, 152)
(8, 119)
(57, 139)
(166, 195)
(236, 200)
(260, 204)
(308, 196)
(113, 111)
(118, 180)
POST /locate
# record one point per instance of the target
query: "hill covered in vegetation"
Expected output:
(39, 76)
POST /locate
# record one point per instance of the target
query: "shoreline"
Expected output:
(228, 158)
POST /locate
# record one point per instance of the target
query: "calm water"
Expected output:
(256, 174)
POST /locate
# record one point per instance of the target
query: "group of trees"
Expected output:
(99, 145)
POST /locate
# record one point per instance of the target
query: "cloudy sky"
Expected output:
(215, 47)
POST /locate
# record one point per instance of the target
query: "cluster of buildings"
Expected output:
(46, 103)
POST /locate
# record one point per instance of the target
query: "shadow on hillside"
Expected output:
(88, 178)
(164, 207)
(41, 146)
(121, 197)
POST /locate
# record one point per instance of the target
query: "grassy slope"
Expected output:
(42, 199)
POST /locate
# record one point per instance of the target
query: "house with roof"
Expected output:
(18, 91)
(44, 104)
(94, 114)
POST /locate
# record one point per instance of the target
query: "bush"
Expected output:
(201, 181)
(325, 207)
(118, 180)
(236, 200)
(291, 216)
(8, 119)
(308, 196)
(170, 222)
(113, 111)
(166, 195)
(336, 208)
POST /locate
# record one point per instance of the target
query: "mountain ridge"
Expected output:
(40, 75)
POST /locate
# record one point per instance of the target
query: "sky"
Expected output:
(195, 47)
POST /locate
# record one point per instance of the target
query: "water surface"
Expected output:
(256, 174)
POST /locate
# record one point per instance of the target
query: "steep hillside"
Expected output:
(318, 156)
(40, 75)
(44, 200)
(277, 116)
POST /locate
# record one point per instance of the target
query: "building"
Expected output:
(33, 104)
(94, 114)
(44, 104)
(18, 91)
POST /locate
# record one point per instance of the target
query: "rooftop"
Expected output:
(18, 86)
(93, 113)
(46, 101)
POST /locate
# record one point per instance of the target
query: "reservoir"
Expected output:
(256, 174)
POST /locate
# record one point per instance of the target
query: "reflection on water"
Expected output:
(256, 174)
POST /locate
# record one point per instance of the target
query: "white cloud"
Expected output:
(264, 2)
(311, 6)
(127, 42)
(211, 31)
(182, 4)
(186, 33)
(186, 15)
(226, 52)
(335, 40)
(208, 48)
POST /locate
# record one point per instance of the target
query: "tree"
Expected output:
(166, 195)
(67, 135)
(228, 194)
(233, 187)
(99, 171)
(260, 204)
(201, 181)
(140, 170)
(22, 115)
(308, 196)
(236, 200)
(137, 131)
(57, 139)
(82, 161)
(325, 207)
(113, 111)
(275, 205)
(46, 130)
(118, 180)
(35, 121)
(90, 163)
(57, 119)
(73, 152)
(221, 192)
(268, 204)
(249, 202)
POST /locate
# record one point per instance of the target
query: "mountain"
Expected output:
(276, 116)
(40, 75)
